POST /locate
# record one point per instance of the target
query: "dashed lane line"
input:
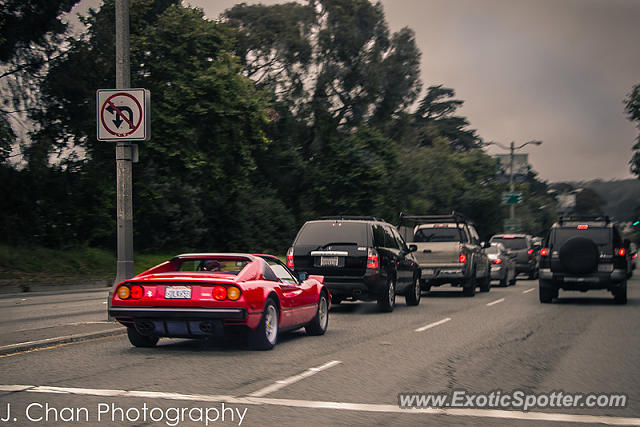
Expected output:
(294, 379)
(431, 325)
(498, 301)
(528, 290)
(343, 406)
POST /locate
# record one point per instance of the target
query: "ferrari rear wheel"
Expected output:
(139, 340)
(265, 336)
(318, 326)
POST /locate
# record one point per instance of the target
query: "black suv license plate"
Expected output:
(329, 261)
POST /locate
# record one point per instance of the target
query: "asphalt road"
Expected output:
(502, 340)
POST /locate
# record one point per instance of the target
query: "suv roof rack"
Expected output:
(352, 217)
(585, 218)
(454, 216)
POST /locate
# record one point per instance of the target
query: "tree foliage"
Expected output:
(270, 117)
(632, 107)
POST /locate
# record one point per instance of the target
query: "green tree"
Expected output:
(437, 110)
(632, 107)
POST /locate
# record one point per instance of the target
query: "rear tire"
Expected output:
(138, 340)
(414, 292)
(620, 294)
(387, 300)
(546, 291)
(469, 286)
(318, 325)
(485, 284)
(265, 336)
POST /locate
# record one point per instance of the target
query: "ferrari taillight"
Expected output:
(220, 293)
(233, 293)
(123, 292)
(290, 258)
(137, 292)
(373, 261)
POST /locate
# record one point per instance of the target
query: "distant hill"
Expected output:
(621, 196)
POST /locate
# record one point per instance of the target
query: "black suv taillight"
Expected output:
(373, 261)
(290, 258)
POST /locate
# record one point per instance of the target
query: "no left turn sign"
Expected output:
(123, 114)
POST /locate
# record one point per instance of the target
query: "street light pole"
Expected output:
(512, 148)
(512, 207)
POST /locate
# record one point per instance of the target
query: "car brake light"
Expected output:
(583, 227)
(497, 261)
(621, 252)
(123, 292)
(220, 293)
(634, 256)
(372, 259)
(530, 251)
(290, 258)
(544, 251)
(137, 292)
(463, 258)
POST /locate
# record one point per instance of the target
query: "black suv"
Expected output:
(583, 253)
(361, 258)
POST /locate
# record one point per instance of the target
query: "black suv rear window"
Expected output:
(512, 242)
(323, 233)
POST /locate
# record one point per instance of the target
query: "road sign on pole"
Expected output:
(123, 114)
(512, 197)
(512, 225)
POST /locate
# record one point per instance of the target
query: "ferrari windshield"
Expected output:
(225, 265)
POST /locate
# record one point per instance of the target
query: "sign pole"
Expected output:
(123, 152)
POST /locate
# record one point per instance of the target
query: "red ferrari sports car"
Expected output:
(203, 295)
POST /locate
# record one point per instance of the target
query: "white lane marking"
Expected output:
(528, 290)
(58, 340)
(431, 325)
(498, 301)
(294, 379)
(345, 406)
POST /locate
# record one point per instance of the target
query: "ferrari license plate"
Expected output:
(177, 292)
(329, 261)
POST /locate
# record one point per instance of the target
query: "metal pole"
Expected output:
(512, 207)
(123, 152)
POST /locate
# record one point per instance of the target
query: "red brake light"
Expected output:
(290, 258)
(220, 293)
(621, 252)
(583, 227)
(137, 292)
(508, 237)
(544, 251)
(497, 261)
(372, 259)
(530, 251)
(463, 258)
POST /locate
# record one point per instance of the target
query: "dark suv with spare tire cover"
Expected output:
(581, 254)
(361, 258)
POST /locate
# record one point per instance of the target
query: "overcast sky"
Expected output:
(550, 70)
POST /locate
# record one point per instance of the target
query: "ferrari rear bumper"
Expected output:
(123, 313)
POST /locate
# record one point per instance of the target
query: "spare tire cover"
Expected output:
(579, 255)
